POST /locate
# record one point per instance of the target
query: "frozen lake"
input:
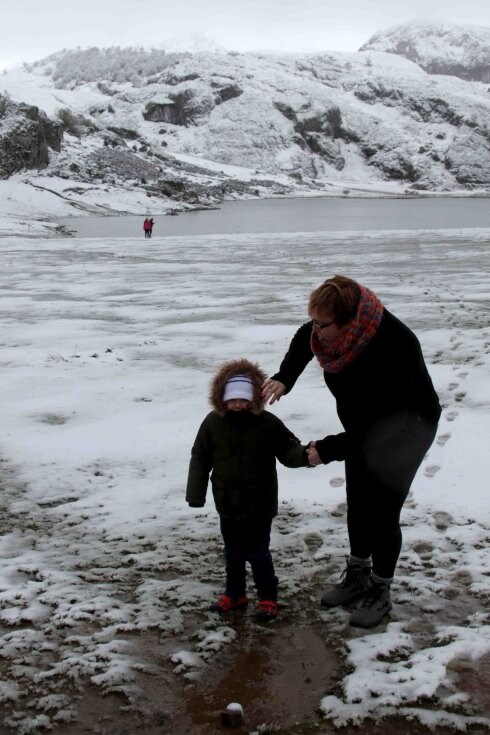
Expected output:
(313, 214)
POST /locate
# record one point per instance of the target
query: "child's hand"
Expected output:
(272, 390)
(313, 456)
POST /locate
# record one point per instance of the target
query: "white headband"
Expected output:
(239, 387)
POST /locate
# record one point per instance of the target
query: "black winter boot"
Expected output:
(374, 606)
(353, 584)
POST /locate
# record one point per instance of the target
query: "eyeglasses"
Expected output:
(322, 325)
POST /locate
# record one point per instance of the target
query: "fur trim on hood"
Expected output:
(226, 371)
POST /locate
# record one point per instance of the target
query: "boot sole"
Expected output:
(360, 624)
(347, 601)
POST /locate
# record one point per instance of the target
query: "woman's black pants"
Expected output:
(378, 479)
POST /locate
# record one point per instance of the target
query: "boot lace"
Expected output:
(373, 595)
(349, 575)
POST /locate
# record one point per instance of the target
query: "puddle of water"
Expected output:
(278, 677)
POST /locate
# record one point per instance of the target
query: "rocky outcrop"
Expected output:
(124, 132)
(468, 159)
(167, 112)
(186, 106)
(317, 132)
(26, 135)
(228, 92)
(123, 164)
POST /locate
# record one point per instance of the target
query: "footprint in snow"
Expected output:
(442, 439)
(313, 541)
(443, 520)
(340, 510)
(431, 470)
(452, 386)
(451, 415)
(337, 481)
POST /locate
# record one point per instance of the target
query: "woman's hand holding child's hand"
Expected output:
(313, 456)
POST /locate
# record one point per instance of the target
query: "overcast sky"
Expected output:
(32, 29)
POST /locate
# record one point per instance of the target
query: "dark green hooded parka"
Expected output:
(239, 449)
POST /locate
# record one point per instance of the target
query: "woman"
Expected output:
(374, 367)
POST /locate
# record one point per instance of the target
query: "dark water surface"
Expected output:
(316, 214)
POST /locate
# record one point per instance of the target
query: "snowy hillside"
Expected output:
(439, 48)
(189, 129)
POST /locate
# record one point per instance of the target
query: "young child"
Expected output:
(238, 443)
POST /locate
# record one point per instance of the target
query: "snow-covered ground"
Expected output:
(107, 349)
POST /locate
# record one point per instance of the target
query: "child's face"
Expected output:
(237, 404)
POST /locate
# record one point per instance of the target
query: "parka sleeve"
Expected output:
(288, 448)
(200, 465)
(296, 358)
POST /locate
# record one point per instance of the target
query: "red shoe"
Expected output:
(267, 610)
(225, 603)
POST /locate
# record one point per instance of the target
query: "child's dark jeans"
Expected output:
(248, 540)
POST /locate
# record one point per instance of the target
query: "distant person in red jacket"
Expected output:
(151, 226)
(147, 226)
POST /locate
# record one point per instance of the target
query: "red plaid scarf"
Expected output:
(335, 354)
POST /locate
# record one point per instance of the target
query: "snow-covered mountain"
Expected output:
(439, 48)
(197, 127)
(194, 43)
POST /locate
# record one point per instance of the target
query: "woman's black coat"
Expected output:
(386, 389)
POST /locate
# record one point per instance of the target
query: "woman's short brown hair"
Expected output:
(339, 296)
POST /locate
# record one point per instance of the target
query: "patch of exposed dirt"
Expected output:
(278, 672)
